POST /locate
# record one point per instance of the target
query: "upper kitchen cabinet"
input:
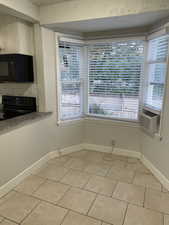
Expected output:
(16, 36)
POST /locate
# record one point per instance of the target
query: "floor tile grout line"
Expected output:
(155, 210)
(45, 180)
(70, 187)
(163, 219)
(135, 204)
(30, 212)
(125, 214)
(8, 219)
(144, 197)
(83, 187)
(117, 182)
(90, 207)
(64, 217)
(64, 195)
(81, 214)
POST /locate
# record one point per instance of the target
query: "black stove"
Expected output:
(14, 106)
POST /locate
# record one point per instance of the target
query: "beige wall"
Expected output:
(77, 10)
(20, 8)
(22, 147)
(101, 132)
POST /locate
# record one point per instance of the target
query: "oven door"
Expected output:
(10, 113)
(7, 71)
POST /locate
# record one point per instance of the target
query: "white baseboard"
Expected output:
(128, 153)
(4, 189)
(162, 179)
(117, 151)
(99, 148)
(40, 163)
(54, 154)
(70, 149)
(65, 151)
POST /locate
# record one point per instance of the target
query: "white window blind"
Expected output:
(70, 80)
(157, 68)
(114, 79)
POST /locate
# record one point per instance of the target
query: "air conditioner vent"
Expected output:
(149, 122)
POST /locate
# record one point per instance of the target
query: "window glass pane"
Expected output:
(70, 80)
(70, 100)
(114, 79)
(155, 93)
(70, 62)
(157, 68)
(158, 48)
(155, 96)
(157, 72)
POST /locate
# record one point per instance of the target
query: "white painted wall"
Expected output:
(22, 147)
(77, 10)
(20, 8)
(102, 132)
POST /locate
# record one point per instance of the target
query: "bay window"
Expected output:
(111, 86)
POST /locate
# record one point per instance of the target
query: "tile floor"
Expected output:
(88, 188)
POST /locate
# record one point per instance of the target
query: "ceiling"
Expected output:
(47, 2)
(104, 24)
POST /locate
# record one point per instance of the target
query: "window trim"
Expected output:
(58, 85)
(73, 41)
(146, 74)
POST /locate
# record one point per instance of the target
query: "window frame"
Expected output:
(59, 91)
(146, 74)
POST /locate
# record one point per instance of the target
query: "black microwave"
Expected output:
(16, 68)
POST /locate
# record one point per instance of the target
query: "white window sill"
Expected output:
(105, 121)
(153, 110)
(70, 121)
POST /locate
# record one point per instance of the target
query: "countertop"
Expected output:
(20, 121)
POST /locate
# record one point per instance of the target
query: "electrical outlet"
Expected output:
(113, 142)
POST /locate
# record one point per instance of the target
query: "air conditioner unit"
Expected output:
(149, 122)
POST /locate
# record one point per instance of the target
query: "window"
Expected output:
(70, 80)
(114, 79)
(157, 68)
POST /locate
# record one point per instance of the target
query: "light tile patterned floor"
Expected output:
(88, 188)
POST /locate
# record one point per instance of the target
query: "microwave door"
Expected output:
(6, 71)
(12, 75)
